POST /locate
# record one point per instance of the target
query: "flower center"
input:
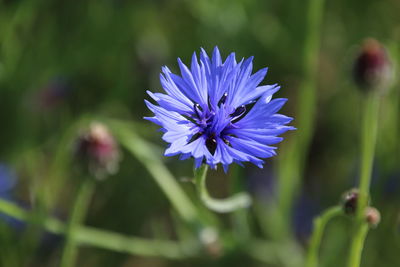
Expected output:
(212, 123)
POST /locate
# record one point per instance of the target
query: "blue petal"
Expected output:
(171, 88)
(188, 85)
(170, 103)
(252, 147)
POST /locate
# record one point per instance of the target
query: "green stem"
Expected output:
(147, 155)
(357, 245)
(77, 216)
(291, 167)
(274, 253)
(104, 239)
(368, 140)
(319, 228)
(238, 201)
(240, 218)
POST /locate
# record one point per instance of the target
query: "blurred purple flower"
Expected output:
(216, 112)
(54, 93)
(262, 183)
(305, 210)
(8, 180)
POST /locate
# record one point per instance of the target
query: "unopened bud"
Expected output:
(210, 240)
(372, 216)
(372, 68)
(349, 201)
(97, 149)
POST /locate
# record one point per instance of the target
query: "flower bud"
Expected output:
(349, 201)
(98, 151)
(372, 216)
(210, 239)
(372, 68)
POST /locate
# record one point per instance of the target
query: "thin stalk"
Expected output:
(237, 201)
(283, 254)
(291, 165)
(147, 155)
(357, 245)
(369, 131)
(77, 216)
(104, 239)
(318, 231)
(240, 218)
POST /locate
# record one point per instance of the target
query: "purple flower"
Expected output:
(8, 180)
(216, 112)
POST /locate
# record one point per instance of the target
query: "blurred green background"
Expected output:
(62, 60)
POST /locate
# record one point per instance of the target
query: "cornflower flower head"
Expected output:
(216, 112)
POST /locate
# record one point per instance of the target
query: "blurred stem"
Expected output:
(147, 155)
(284, 254)
(240, 218)
(369, 131)
(235, 202)
(318, 231)
(62, 159)
(357, 245)
(291, 167)
(84, 235)
(77, 216)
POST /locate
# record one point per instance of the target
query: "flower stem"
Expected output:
(104, 239)
(77, 216)
(147, 155)
(237, 201)
(292, 165)
(368, 140)
(319, 228)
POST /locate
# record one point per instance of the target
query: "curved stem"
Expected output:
(357, 245)
(369, 131)
(104, 239)
(319, 228)
(77, 216)
(237, 201)
(145, 154)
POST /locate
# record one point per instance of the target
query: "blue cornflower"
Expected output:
(216, 112)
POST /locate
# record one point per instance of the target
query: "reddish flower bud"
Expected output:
(349, 201)
(372, 68)
(97, 149)
(372, 216)
(210, 239)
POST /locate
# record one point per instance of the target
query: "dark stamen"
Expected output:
(238, 113)
(223, 99)
(197, 109)
(211, 144)
(189, 119)
(226, 142)
(195, 137)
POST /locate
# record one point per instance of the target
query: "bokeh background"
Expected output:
(61, 61)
